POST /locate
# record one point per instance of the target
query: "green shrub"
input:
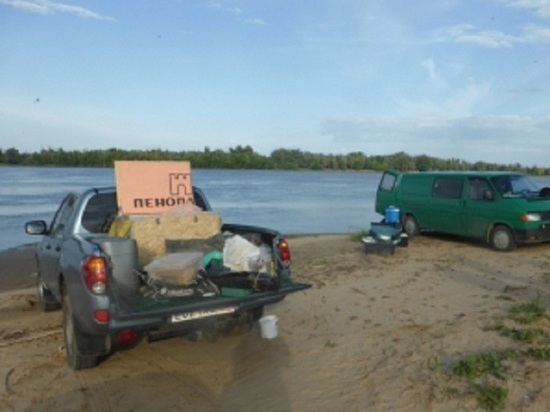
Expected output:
(491, 397)
(527, 313)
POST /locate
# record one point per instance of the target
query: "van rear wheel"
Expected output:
(502, 239)
(410, 226)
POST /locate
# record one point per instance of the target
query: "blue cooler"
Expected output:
(392, 215)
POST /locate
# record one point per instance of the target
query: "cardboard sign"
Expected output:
(150, 187)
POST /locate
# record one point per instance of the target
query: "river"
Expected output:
(293, 202)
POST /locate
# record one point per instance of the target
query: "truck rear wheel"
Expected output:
(410, 226)
(257, 313)
(249, 318)
(46, 300)
(502, 239)
(75, 339)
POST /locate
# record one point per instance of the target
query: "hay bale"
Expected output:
(152, 232)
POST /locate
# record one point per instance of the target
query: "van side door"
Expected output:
(443, 213)
(479, 207)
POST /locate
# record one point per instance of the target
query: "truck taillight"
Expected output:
(284, 251)
(94, 270)
(126, 337)
(102, 316)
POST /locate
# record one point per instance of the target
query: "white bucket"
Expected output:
(269, 326)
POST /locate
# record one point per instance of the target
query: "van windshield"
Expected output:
(515, 186)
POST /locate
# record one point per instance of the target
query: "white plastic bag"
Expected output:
(240, 255)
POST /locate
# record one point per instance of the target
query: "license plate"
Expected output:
(198, 314)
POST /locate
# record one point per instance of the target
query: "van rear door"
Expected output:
(385, 194)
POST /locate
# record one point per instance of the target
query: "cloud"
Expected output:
(468, 33)
(255, 22)
(493, 39)
(536, 34)
(442, 100)
(540, 7)
(429, 65)
(219, 6)
(46, 7)
(236, 11)
(528, 34)
(498, 139)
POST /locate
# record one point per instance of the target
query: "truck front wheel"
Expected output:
(46, 299)
(502, 239)
(75, 339)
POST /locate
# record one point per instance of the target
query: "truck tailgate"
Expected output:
(138, 311)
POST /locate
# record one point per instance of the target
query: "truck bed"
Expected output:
(144, 312)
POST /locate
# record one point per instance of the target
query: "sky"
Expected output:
(454, 79)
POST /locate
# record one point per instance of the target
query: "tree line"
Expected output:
(244, 157)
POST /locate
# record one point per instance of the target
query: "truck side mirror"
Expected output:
(36, 227)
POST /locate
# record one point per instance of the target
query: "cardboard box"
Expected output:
(153, 187)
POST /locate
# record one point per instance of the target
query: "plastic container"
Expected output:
(392, 215)
(269, 326)
(385, 232)
(176, 268)
(373, 246)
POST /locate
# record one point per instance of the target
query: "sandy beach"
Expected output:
(374, 333)
(16, 267)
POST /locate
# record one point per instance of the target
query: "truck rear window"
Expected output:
(99, 211)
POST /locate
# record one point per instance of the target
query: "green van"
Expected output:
(502, 208)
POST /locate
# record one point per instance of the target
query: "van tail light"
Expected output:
(94, 270)
(284, 252)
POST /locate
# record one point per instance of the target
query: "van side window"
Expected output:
(448, 187)
(479, 189)
(387, 182)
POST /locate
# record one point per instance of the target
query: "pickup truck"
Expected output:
(76, 273)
